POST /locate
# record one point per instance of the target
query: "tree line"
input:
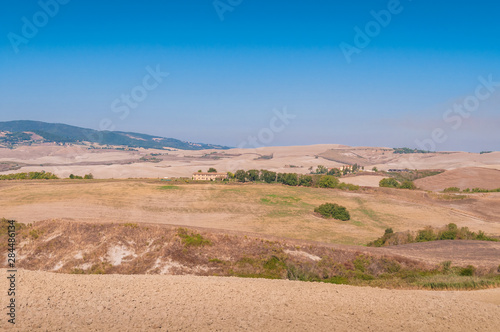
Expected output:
(290, 179)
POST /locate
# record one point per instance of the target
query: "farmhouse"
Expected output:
(398, 170)
(202, 176)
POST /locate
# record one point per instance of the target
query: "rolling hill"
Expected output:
(18, 132)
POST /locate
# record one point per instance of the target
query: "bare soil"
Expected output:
(53, 302)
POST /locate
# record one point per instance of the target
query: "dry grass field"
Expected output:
(274, 210)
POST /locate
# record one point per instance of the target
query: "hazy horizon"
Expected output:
(415, 74)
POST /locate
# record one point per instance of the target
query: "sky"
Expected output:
(420, 74)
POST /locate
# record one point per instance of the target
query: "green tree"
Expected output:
(290, 179)
(252, 175)
(240, 175)
(280, 177)
(321, 169)
(375, 169)
(335, 172)
(305, 180)
(230, 175)
(389, 183)
(267, 176)
(212, 170)
(89, 176)
(328, 181)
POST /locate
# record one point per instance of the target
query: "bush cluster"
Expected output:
(78, 177)
(473, 190)
(29, 176)
(449, 232)
(332, 210)
(393, 183)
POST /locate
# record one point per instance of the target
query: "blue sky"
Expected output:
(228, 76)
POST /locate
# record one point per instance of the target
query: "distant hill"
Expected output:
(18, 133)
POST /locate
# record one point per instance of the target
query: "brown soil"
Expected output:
(54, 302)
(478, 253)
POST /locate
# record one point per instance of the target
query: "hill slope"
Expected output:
(62, 133)
(467, 177)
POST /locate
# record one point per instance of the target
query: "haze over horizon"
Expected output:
(363, 73)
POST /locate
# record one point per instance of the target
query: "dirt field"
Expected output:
(468, 177)
(51, 302)
(275, 210)
(105, 164)
(478, 253)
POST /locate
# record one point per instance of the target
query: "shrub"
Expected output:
(389, 183)
(192, 239)
(347, 186)
(328, 181)
(408, 185)
(446, 266)
(425, 235)
(332, 210)
(451, 190)
(468, 271)
(35, 233)
(449, 232)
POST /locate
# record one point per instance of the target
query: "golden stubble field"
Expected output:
(272, 210)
